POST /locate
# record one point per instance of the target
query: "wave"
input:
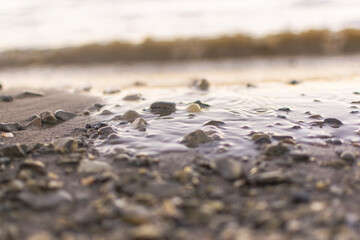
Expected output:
(312, 42)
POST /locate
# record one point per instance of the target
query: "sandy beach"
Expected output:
(57, 182)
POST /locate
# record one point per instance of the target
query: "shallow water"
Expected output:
(244, 110)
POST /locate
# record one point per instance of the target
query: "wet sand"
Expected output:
(70, 189)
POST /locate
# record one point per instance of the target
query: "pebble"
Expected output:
(276, 149)
(214, 123)
(1, 86)
(333, 122)
(48, 117)
(139, 123)
(300, 197)
(261, 138)
(132, 97)
(147, 232)
(107, 130)
(96, 125)
(45, 200)
(95, 107)
(294, 82)
(32, 165)
(12, 150)
(111, 90)
(299, 156)
(64, 115)
(87, 166)
(6, 98)
(193, 107)
(34, 122)
(10, 127)
(201, 104)
(348, 157)
(284, 109)
(7, 135)
(67, 144)
(229, 168)
(130, 115)
(106, 112)
(195, 138)
(272, 177)
(163, 108)
(27, 94)
(201, 84)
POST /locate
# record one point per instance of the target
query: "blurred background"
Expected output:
(38, 33)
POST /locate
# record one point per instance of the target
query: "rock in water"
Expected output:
(201, 84)
(46, 200)
(48, 117)
(87, 166)
(333, 122)
(195, 138)
(111, 90)
(193, 107)
(228, 168)
(64, 115)
(130, 115)
(139, 123)
(132, 97)
(163, 108)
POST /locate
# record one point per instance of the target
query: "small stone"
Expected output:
(6, 98)
(32, 165)
(272, 177)
(193, 107)
(136, 215)
(87, 166)
(294, 82)
(45, 200)
(299, 156)
(147, 232)
(130, 115)
(139, 123)
(28, 94)
(315, 116)
(1, 86)
(163, 108)
(96, 125)
(95, 107)
(67, 144)
(229, 168)
(41, 236)
(107, 130)
(64, 115)
(333, 122)
(111, 90)
(348, 157)
(86, 113)
(48, 117)
(34, 122)
(298, 198)
(12, 150)
(284, 109)
(214, 123)
(261, 138)
(201, 84)
(7, 135)
(276, 150)
(10, 127)
(132, 97)
(195, 138)
(201, 104)
(106, 112)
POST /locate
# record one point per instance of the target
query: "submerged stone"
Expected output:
(195, 138)
(214, 123)
(347, 157)
(96, 125)
(48, 117)
(95, 107)
(276, 150)
(107, 130)
(130, 115)
(284, 109)
(201, 104)
(163, 108)
(106, 112)
(111, 90)
(64, 115)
